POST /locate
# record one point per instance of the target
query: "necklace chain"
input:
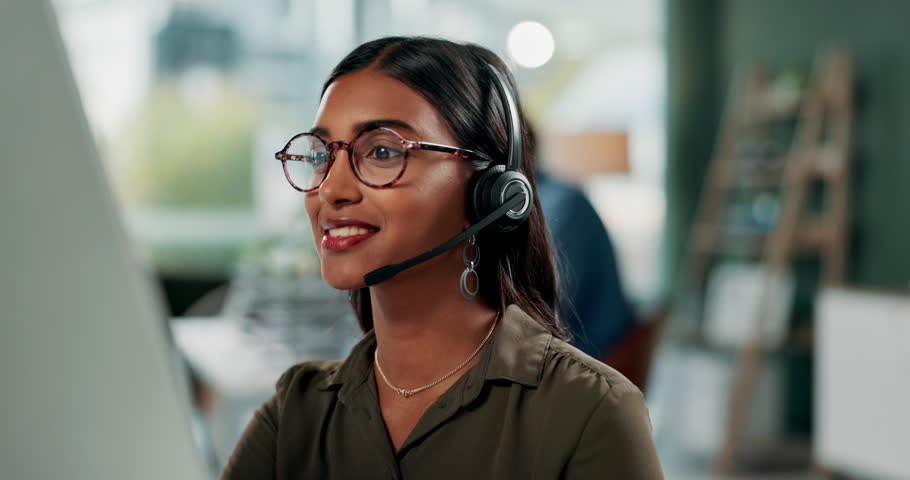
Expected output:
(405, 392)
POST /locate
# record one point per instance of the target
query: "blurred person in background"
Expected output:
(451, 379)
(593, 302)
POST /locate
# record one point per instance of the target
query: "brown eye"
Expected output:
(382, 152)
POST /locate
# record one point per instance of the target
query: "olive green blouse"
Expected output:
(533, 407)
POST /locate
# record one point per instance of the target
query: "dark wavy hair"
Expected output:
(519, 266)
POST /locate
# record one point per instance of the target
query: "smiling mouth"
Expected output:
(344, 232)
(342, 238)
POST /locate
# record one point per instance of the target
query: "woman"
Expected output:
(443, 384)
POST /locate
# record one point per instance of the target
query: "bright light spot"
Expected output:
(530, 44)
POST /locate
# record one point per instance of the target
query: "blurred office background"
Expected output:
(189, 100)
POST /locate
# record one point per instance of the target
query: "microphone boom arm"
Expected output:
(388, 271)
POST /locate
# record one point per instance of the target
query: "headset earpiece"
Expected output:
(490, 188)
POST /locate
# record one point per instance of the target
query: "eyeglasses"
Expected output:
(378, 156)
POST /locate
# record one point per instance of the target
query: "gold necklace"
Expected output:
(404, 392)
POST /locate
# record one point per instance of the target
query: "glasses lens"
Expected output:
(307, 161)
(379, 156)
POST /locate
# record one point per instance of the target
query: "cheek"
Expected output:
(431, 211)
(454, 190)
(311, 203)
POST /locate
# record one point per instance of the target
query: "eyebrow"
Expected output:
(368, 125)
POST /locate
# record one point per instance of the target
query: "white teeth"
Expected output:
(347, 231)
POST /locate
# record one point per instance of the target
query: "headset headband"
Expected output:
(513, 123)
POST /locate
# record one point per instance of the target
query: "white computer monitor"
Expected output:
(862, 383)
(90, 388)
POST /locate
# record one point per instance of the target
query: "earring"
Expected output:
(466, 291)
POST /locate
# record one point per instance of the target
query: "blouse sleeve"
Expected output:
(617, 441)
(254, 455)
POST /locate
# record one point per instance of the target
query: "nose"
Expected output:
(341, 185)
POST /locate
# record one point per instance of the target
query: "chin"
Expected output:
(343, 277)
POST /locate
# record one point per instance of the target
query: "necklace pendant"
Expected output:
(404, 393)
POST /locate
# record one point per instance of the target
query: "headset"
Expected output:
(499, 197)
(490, 188)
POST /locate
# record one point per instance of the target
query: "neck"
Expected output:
(423, 326)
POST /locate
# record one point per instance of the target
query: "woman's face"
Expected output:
(424, 208)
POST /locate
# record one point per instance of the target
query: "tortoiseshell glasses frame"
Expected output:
(380, 165)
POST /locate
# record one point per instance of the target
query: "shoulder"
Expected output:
(304, 377)
(604, 409)
(312, 373)
(573, 373)
(528, 353)
(607, 411)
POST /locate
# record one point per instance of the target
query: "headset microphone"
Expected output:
(499, 197)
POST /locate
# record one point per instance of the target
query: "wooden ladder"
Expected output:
(819, 154)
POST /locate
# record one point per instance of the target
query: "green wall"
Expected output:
(692, 115)
(715, 36)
